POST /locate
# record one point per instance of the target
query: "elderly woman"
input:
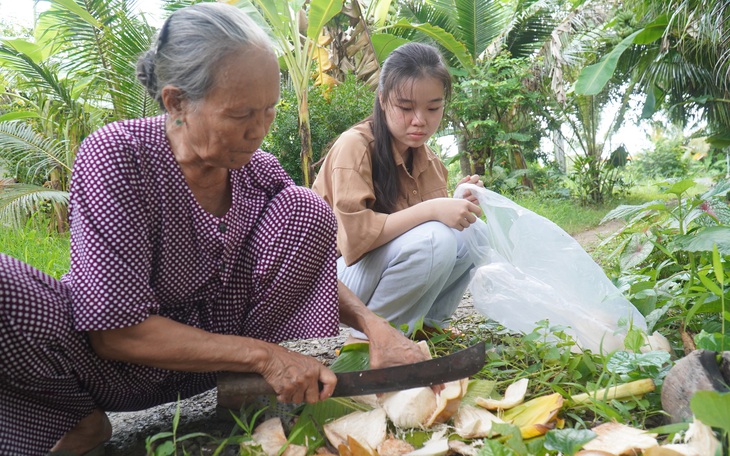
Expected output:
(192, 252)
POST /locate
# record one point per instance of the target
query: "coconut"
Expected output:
(270, 435)
(409, 408)
(448, 401)
(367, 428)
(474, 422)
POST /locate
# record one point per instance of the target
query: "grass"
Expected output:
(44, 251)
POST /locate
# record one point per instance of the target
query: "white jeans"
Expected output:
(421, 274)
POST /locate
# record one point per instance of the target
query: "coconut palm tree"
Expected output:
(678, 57)
(75, 76)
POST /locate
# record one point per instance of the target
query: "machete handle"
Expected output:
(237, 388)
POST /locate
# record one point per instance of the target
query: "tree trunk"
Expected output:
(464, 162)
(305, 138)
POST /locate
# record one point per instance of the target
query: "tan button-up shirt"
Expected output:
(345, 181)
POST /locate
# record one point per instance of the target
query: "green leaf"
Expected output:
(494, 448)
(18, 115)
(353, 357)
(382, 8)
(637, 250)
(593, 78)
(478, 388)
(307, 429)
(653, 31)
(711, 341)
(72, 6)
(511, 437)
(568, 441)
(709, 284)
(320, 13)
(385, 43)
(704, 240)
(678, 188)
(31, 50)
(443, 38)
(712, 408)
(717, 266)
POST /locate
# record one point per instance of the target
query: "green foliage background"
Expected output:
(332, 110)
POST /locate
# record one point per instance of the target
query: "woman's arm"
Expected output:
(388, 346)
(167, 344)
(455, 213)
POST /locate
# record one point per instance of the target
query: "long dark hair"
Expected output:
(410, 61)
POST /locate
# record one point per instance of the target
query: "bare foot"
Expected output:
(88, 433)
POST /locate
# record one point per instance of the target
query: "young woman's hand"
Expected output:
(453, 212)
(476, 180)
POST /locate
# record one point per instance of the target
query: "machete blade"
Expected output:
(236, 388)
(456, 366)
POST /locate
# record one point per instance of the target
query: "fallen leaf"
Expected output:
(536, 416)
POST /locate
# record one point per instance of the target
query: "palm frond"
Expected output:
(26, 148)
(18, 202)
(106, 50)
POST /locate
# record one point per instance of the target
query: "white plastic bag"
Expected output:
(528, 269)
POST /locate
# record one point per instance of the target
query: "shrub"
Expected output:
(666, 160)
(332, 110)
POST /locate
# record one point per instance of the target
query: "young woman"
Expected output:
(398, 231)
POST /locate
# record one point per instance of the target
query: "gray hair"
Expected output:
(190, 46)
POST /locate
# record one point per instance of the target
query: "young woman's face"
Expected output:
(413, 111)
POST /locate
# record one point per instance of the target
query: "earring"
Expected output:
(179, 122)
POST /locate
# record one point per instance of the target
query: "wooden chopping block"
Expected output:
(697, 371)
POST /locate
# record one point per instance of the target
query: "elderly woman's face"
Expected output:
(229, 124)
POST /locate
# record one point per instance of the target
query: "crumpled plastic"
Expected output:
(527, 269)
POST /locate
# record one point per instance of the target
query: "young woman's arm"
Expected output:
(455, 213)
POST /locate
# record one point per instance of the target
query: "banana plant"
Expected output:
(296, 28)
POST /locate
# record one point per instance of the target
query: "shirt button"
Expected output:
(222, 227)
(415, 192)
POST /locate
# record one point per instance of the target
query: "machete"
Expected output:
(235, 388)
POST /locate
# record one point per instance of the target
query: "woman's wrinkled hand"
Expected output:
(476, 180)
(454, 212)
(389, 347)
(297, 378)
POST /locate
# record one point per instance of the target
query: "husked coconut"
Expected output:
(270, 435)
(513, 396)
(474, 422)
(394, 447)
(409, 408)
(448, 401)
(369, 428)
